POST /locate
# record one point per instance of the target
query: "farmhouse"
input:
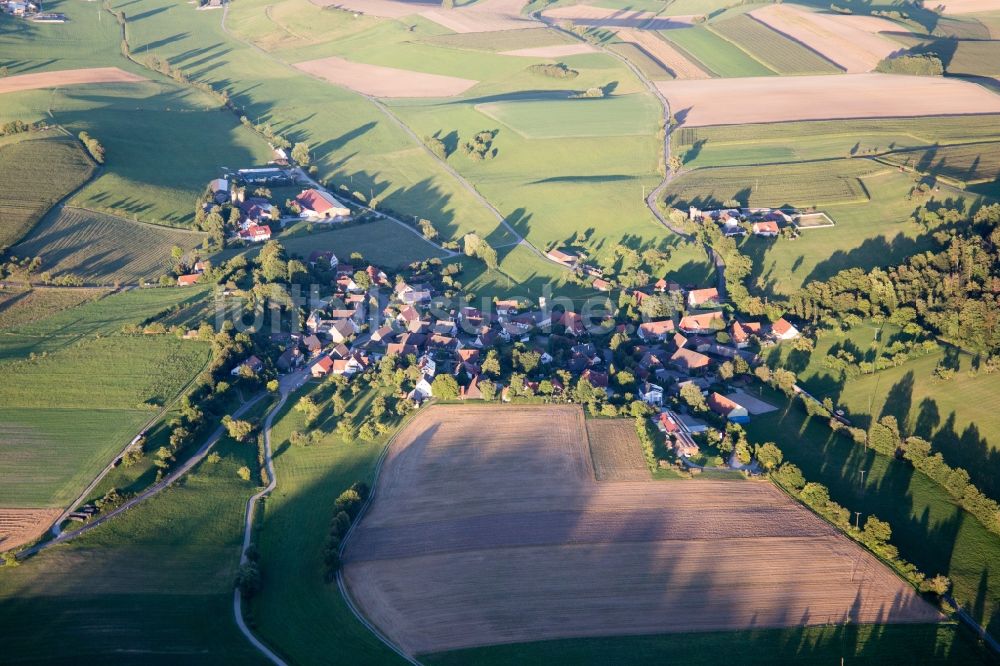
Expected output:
(601, 285)
(564, 258)
(708, 322)
(699, 297)
(255, 233)
(689, 360)
(188, 280)
(321, 206)
(656, 330)
(252, 365)
(727, 408)
(263, 176)
(765, 228)
(322, 367)
(783, 330)
(220, 190)
(741, 332)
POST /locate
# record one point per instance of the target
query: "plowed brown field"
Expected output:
(22, 526)
(488, 526)
(616, 451)
(67, 77)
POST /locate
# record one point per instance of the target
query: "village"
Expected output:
(688, 372)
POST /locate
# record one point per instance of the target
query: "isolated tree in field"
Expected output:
(300, 153)
(177, 252)
(768, 455)
(237, 429)
(243, 473)
(9, 560)
(445, 387)
(675, 163)
(691, 394)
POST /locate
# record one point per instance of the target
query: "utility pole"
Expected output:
(862, 473)
(857, 520)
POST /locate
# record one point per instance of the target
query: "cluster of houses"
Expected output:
(574, 262)
(766, 222)
(353, 329)
(32, 10)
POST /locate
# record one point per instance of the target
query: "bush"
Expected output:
(555, 71)
(916, 65)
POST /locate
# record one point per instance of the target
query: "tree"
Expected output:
(273, 386)
(445, 387)
(248, 579)
(349, 502)
(877, 532)
(10, 560)
(300, 153)
(768, 455)
(691, 394)
(939, 585)
(491, 364)
(675, 163)
(790, 476)
(243, 473)
(427, 229)
(237, 429)
(177, 252)
(726, 370)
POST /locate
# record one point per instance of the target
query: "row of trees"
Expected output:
(93, 147)
(346, 507)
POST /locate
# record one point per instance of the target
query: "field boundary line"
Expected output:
(341, 585)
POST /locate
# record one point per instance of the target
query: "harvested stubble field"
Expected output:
(615, 450)
(558, 51)
(378, 81)
(22, 526)
(67, 77)
(778, 99)
(673, 60)
(36, 173)
(604, 17)
(103, 248)
(587, 558)
(24, 306)
(846, 43)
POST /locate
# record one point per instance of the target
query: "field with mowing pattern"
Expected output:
(723, 59)
(620, 115)
(967, 163)
(66, 414)
(102, 248)
(152, 586)
(801, 185)
(23, 306)
(37, 173)
(578, 557)
(776, 51)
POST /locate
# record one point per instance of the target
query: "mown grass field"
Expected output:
(802, 184)
(67, 413)
(885, 644)
(959, 416)
(927, 526)
(37, 173)
(20, 306)
(333, 121)
(504, 40)
(297, 613)
(45, 328)
(152, 586)
(960, 57)
(619, 115)
(104, 249)
(771, 48)
(967, 163)
(718, 56)
(382, 242)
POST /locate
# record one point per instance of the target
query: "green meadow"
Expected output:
(152, 586)
(37, 173)
(715, 54)
(620, 115)
(104, 249)
(65, 414)
(928, 527)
